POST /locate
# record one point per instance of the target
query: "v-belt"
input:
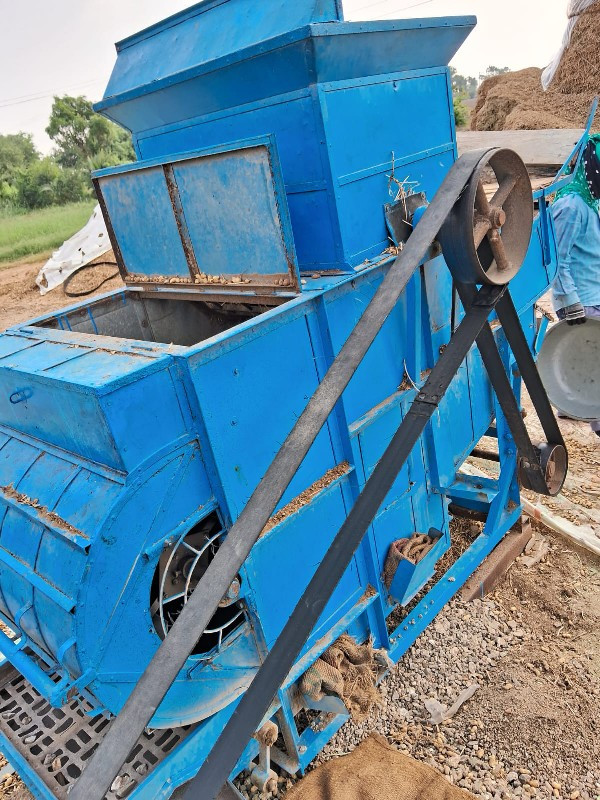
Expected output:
(204, 600)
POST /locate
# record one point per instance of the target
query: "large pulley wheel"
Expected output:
(485, 240)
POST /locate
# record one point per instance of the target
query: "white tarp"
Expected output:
(574, 9)
(88, 244)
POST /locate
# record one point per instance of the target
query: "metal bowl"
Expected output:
(569, 365)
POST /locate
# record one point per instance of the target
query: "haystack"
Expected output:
(579, 69)
(516, 100)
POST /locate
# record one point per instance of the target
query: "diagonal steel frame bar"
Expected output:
(506, 397)
(177, 646)
(259, 696)
(507, 314)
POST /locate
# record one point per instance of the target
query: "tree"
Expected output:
(17, 151)
(492, 71)
(463, 86)
(35, 184)
(461, 112)
(45, 183)
(80, 135)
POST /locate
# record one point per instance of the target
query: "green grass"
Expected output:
(36, 234)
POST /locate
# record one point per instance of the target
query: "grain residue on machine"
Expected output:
(44, 513)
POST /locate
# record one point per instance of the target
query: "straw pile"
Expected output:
(579, 70)
(516, 100)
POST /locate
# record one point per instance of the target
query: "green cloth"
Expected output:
(579, 184)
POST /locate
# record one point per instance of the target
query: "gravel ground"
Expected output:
(532, 729)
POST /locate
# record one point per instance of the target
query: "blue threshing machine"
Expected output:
(206, 471)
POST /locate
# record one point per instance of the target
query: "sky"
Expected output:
(67, 46)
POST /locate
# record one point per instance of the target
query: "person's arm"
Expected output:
(568, 223)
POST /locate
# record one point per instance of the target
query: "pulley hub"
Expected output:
(485, 239)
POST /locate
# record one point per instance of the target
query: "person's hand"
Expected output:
(574, 314)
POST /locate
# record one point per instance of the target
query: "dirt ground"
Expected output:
(539, 710)
(541, 707)
(20, 298)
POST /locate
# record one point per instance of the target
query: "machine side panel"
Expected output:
(298, 144)
(250, 396)
(284, 560)
(49, 514)
(409, 148)
(382, 370)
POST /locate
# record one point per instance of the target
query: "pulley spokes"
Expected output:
(486, 240)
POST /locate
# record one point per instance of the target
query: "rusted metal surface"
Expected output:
(495, 566)
(467, 513)
(485, 240)
(188, 247)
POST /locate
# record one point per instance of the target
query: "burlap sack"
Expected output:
(375, 771)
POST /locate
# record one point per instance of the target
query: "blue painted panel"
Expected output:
(362, 164)
(39, 355)
(13, 344)
(480, 395)
(18, 596)
(374, 439)
(317, 244)
(250, 397)
(87, 500)
(360, 206)
(395, 522)
(452, 426)
(206, 32)
(58, 625)
(355, 49)
(15, 459)
(150, 404)
(293, 122)
(237, 83)
(38, 563)
(144, 225)
(53, 413)
(285, 559)
(416, 120)
(98, 368)
(231, 211)
(382, 370)
(438, 289)
(289, 118)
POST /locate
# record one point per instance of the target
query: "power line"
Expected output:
(32, 98)
(395, 11)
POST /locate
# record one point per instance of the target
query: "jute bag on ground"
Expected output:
(375, 771)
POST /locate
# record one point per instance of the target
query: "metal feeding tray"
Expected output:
(210, 221)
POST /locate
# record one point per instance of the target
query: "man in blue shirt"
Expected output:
(576, 289)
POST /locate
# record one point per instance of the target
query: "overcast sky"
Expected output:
(66, 46)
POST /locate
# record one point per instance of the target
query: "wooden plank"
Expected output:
(548, 148)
